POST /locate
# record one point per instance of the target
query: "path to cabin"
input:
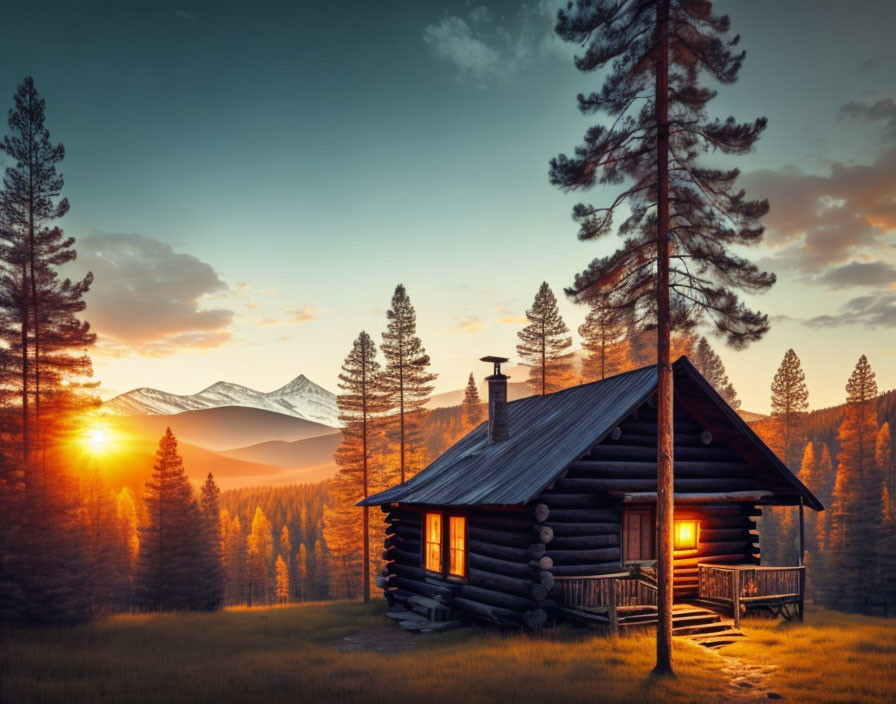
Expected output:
(748, 681)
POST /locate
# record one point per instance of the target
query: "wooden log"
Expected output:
(715, 559)
(585, 515)
(500, 583)
(556, 501)
(633, 485)
(542, 563)
(584, 528)
(497, 537)
(410, 571)
(649, 427)
(493, 564)
(748, 497)
(421, 587)
(501, 552)
(545, 534)
(500, 521)
(537, 550)
(602, 540)
(708, 549)
(542, 512)
(405, 520)
(394, 540)
(494, 597)
(535, 619)
(546, 579)
(538, 592)
(586, 570)
(403, 531)
(403, 556)
(492, 613)
(575, 557)
(644, 470)
(636, 452)
(716, 535)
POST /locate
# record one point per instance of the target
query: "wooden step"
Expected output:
(701, 629)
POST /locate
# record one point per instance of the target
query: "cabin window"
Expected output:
(686, 535)
(433, 542)
(457, 542)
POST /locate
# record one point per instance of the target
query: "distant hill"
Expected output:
(300, 398)
(750, 416)
(296, 454)
(515, 391)
(223, 428)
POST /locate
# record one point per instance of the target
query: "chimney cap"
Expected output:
(494, 360)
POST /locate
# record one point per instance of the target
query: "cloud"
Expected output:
(877, 310)
(486, 48)
(876, 273)
(267, 321)
(882, 111)
(301, 315)
(467, 325)
(509, 317)
(146, 298)
(818, 221)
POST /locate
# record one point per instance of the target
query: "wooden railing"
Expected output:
(608, 593)
(749, 584)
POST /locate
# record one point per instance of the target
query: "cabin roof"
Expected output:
(549, 433)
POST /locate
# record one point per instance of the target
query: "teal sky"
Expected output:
(249, 182)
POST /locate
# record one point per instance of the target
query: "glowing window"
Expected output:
(457, 528)
(434, 542)
(687, 534)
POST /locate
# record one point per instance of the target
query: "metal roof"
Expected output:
(548, 433)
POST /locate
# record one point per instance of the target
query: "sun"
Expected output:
(97, 439)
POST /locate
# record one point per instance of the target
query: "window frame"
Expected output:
(445, 546)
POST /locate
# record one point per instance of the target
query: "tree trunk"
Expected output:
(664, 366)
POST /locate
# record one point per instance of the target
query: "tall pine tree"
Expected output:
(710, 365)
(790, 399)
(169, 542)
(361, 400)
(679, 211)
(544, 344)
(603, 341)
(259, 558)
(212, 576)
(406, 381)
(472, 404)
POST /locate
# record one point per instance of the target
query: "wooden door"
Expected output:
(637, 534)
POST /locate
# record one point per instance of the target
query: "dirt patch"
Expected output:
(382, 639)
(747, 682)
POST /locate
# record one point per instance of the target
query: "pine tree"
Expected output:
(259, 556)
(855, 509)
(234, 559)
(790, 399)
(710, 365)
(169, 545)
(679, 211)
(544, 344)
(359, 403)
(405, 382)
(603, 341)
(286, 553)
(212, 576)
(302, 572)
(321, 576)
(50, 340)
(472, 405)
(126, 513)
(886, 554)
(883, 453)
(106, 554)
(282, 580)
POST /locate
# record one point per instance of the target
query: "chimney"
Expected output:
(497, 402)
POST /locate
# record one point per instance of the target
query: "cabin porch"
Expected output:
(624, 599)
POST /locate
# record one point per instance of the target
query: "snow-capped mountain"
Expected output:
(300, 398)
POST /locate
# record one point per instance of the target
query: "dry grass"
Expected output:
(286, 654)
(831, 658)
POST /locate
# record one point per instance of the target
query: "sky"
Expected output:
(249, 182)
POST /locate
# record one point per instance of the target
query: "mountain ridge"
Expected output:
(300, 398)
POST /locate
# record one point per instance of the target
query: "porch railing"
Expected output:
(607, 593)
(753, 585)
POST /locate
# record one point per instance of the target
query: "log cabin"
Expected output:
(545, 512)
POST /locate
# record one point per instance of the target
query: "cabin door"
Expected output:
(638, 531)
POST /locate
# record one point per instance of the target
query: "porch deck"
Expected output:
(629, 598)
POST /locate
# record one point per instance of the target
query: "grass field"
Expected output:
(290, 654)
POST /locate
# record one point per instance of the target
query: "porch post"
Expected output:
(802, 536)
